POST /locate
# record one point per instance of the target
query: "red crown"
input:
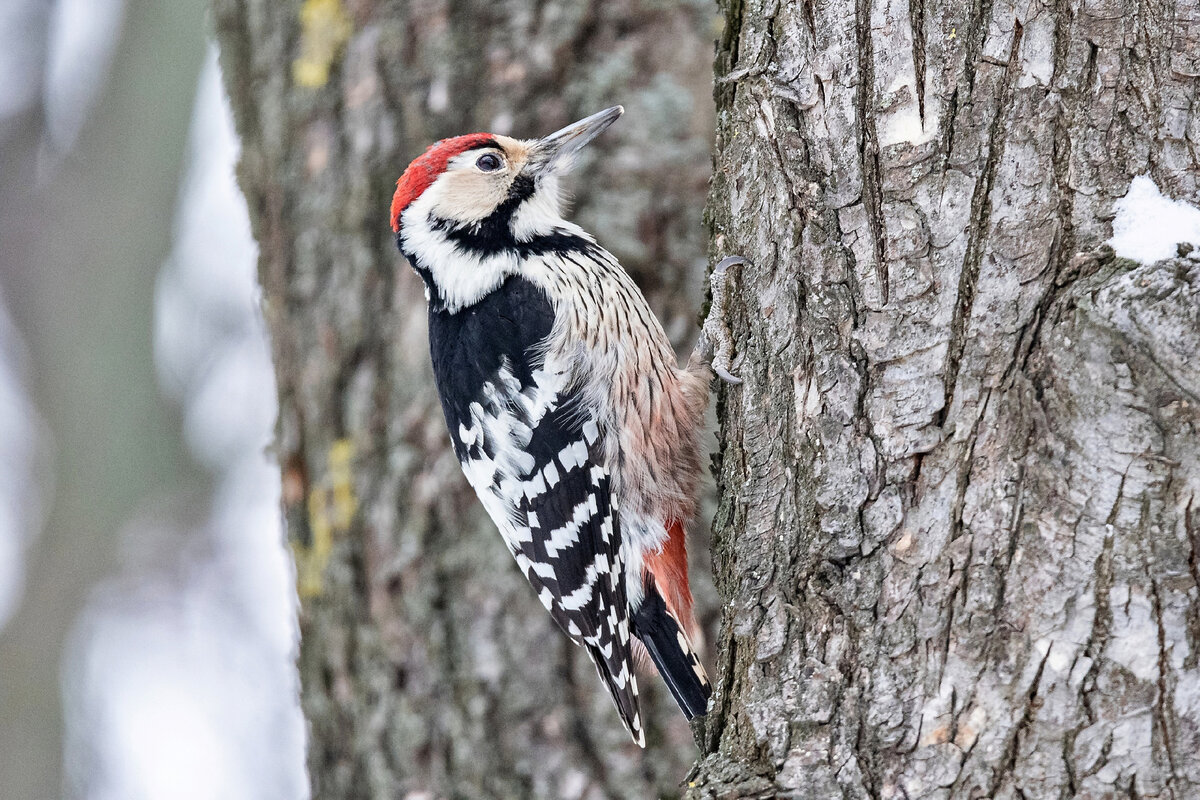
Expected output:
(426, 168)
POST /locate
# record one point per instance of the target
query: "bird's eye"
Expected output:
(488, 162)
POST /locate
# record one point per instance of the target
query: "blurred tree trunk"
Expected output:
(959, 523)
(428, 667)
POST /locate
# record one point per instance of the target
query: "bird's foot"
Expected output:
(716, 342)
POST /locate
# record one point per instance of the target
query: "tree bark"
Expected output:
(958, 529)
(428, 667)
(960, 485)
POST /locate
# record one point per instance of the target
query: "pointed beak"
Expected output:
(556, 153)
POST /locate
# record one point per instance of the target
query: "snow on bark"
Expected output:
(1148, 227)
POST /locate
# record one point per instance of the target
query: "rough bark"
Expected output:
(428, 667)
(960, 487)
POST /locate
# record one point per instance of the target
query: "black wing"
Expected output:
(534, 456)
(555, 510)
(568, 542)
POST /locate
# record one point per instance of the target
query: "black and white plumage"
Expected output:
(563, 400)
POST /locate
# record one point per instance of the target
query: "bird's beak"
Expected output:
(556, 153)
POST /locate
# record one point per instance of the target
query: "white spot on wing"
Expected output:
(580, 597)
(563, 537)
(467, 435)
(534, 488)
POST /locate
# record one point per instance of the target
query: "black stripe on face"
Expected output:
(492, 234)
(493, 241)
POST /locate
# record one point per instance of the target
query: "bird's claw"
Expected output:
(725, 263)
(725, 375)
(715, 340)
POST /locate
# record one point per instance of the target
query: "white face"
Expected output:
(476, 182)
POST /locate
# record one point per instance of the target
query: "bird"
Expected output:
(564, 401)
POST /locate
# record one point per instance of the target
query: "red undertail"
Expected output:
(669, 568)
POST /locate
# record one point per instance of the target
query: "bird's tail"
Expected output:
(622, 685)
(672, 652)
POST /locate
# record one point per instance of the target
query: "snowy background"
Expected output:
(186, 669)
(177, 678)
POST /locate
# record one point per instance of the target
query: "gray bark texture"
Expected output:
(958, 535)
(957, 540)
(428, 668)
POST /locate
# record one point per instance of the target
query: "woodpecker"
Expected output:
(564, 401)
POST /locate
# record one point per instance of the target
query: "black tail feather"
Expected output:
(672, 653)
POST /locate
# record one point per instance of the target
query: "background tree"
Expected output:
(957, 535)
(427, 664)
(960, 486)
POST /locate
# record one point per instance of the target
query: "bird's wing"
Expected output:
(534, 456)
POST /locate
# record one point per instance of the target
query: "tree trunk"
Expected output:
(959, 525)
(428, 667)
